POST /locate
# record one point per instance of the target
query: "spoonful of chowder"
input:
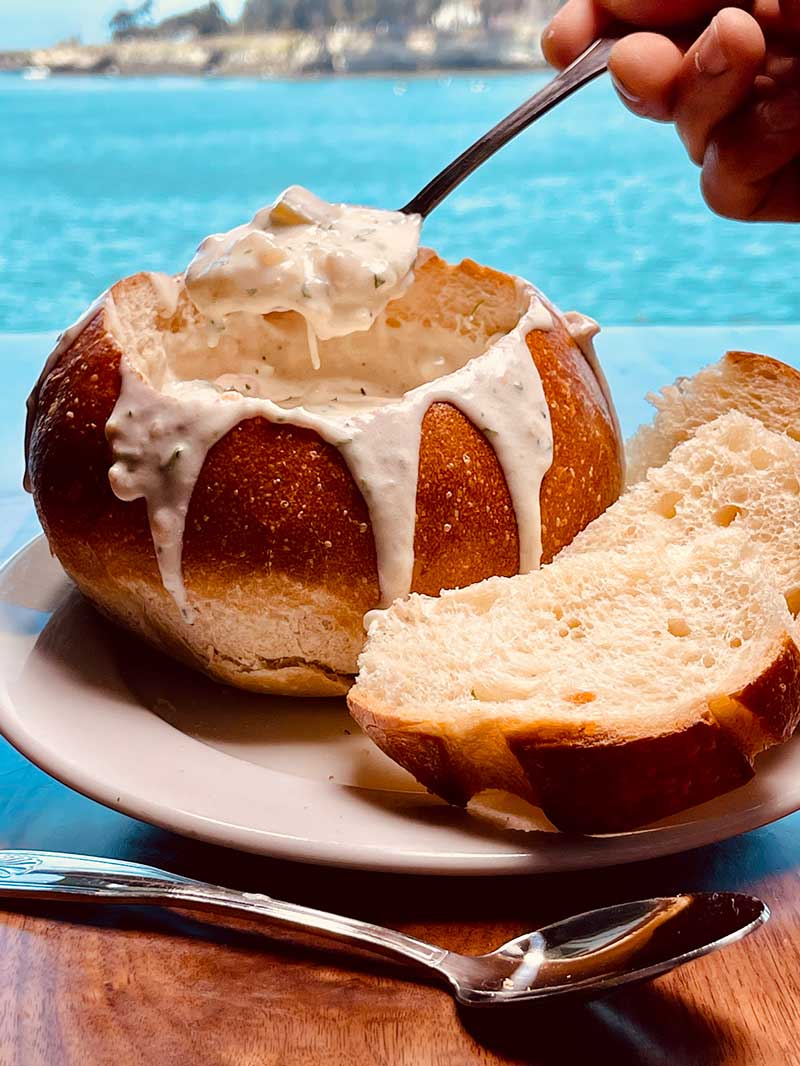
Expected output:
(336, 265)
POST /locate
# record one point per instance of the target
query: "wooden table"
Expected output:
(99, 986)
(94, 986)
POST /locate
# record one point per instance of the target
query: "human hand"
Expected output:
(733, 92)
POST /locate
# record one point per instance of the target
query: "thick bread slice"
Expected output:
(756, 385)
(733, 471)
(611, 689)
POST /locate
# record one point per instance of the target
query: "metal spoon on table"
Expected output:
(590, 953)
(587, 66)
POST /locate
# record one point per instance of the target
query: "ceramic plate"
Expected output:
(293, 779)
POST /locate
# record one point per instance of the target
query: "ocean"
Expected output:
(103, 177)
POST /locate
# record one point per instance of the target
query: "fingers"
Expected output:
(780, 19)
(751, 166)
(773, 200)
(769, 16)
(717, 77)
(657, 13)
(645, 68)
(572, 29)
(750, 169)
(779, 200)
(579, 22)
(736, 106)
(698, 90)
(790, 13)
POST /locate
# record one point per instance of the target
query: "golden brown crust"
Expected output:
(773, 699)
(444, 763)
(587, 785)
(465, 528)
(258, 506)
(87, 526)
(616, 787)
(755, 364)
(586, 475)
(276, 501)
(425, 755)
(611, 788)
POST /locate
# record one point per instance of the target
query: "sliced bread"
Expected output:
(756, 385)
(610, 689)
(733, 471)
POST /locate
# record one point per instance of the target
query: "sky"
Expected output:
(31, 23)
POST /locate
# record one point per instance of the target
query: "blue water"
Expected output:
(100, 178)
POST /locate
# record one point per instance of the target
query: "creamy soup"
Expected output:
(336, 265)
(312, 315)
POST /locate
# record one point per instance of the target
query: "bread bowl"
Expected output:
(266, 584)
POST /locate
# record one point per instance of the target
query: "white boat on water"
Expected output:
(36, 73)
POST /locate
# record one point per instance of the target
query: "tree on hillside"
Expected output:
(125, 22)
(205, 21)
(261, 15)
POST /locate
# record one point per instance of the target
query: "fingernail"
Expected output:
(709, 57)
(546, 44)
(764, 87)
(782, 113)
(636, 102)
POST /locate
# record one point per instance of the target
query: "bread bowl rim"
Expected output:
(111, 338)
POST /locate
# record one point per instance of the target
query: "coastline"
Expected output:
(292, 54)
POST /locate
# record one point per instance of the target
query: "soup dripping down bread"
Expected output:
(241, 495)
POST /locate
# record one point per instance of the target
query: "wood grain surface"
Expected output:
(84, 986)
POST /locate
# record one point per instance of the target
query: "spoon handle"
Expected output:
(51, 875)
(586, 67)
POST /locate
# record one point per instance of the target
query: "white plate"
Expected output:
(288, 778)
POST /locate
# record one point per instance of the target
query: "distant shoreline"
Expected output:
(363, 75)
(292, 54)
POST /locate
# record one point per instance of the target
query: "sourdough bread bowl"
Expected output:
(277, 556)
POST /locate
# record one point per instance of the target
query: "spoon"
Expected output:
(588, 953)
(587, 66)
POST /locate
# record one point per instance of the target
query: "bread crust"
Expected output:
(616, 787)
(310, 539)
(754, 364)
(586, 783)
(748, 381)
